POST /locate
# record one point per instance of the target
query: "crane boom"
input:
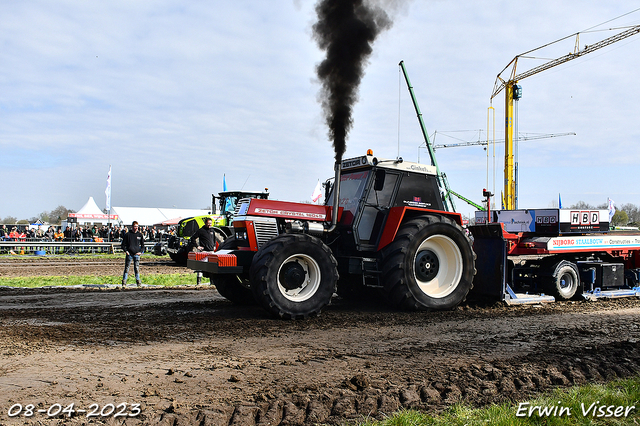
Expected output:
(500, 83)
(484, 142)
(442, 179)
(510, 88)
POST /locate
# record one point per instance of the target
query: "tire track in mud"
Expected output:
(478, 384)
(192, 359)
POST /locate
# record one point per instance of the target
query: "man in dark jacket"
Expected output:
(133, 247)
(203, 239)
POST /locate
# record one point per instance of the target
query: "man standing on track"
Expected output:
(133, 247)
(204, 239)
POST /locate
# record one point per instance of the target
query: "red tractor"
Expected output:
(390, 235)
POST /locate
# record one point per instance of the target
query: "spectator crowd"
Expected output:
(79, 233)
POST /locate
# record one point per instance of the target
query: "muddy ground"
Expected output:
(189, 357)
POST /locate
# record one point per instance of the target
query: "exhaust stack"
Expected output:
(336, 198)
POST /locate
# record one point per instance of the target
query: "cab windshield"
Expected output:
(352, 188)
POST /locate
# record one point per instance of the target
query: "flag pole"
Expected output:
(107, 193)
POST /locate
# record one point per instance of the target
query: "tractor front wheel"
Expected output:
(429, 265)
(294, 276)
(235, 288)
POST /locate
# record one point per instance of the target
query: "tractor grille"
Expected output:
(266, 230)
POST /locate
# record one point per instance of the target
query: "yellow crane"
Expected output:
(509, 85)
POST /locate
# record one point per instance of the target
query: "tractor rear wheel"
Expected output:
(294, 276)
(429, 265)
(235, 288)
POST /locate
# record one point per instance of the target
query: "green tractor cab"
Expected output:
(227, 201)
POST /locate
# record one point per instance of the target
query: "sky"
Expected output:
(175, 95)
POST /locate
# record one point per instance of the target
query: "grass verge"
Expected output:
(593, 404)
(117, 255)
(166, 280)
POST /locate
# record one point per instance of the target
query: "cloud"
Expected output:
(173, 95)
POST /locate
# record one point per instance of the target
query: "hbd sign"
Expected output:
(585, 217)
(546, 220)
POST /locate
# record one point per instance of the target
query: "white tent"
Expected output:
(90, 207)
(90, 213)
(148, 216)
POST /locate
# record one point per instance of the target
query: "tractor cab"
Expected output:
(371, 188)
(228, 200)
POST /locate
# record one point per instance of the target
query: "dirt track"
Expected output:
(188, 356)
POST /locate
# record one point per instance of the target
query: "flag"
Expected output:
(107, 190)
(317, 193)
(559, 201)
(612, 209)
(224, 182)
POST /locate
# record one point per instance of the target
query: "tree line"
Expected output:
(625, 215)
(53, 217)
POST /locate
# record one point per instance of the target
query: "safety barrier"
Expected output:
(58, 247)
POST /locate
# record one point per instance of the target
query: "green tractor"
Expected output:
(178, 245)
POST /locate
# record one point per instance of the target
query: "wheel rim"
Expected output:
(299, 277)
(567, 283)
(427, 265)
(438, 266)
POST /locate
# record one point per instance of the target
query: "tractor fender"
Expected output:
(226, 231)
(398, 215)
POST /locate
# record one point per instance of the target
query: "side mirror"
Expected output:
(328, 187)
(379, 183)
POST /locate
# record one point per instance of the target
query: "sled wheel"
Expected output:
(564, 281)
(294, 276)
(429, 265)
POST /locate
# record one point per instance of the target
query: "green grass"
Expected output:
(625, 393)
(166, 280)
(118, 255)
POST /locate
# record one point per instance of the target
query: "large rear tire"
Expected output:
(429, 265)
(235, 288)
(294, 276)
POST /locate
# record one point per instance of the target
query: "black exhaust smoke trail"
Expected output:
(346, 30)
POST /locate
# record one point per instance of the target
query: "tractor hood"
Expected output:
(286, 210)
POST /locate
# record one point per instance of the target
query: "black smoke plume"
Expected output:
(346, 30)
